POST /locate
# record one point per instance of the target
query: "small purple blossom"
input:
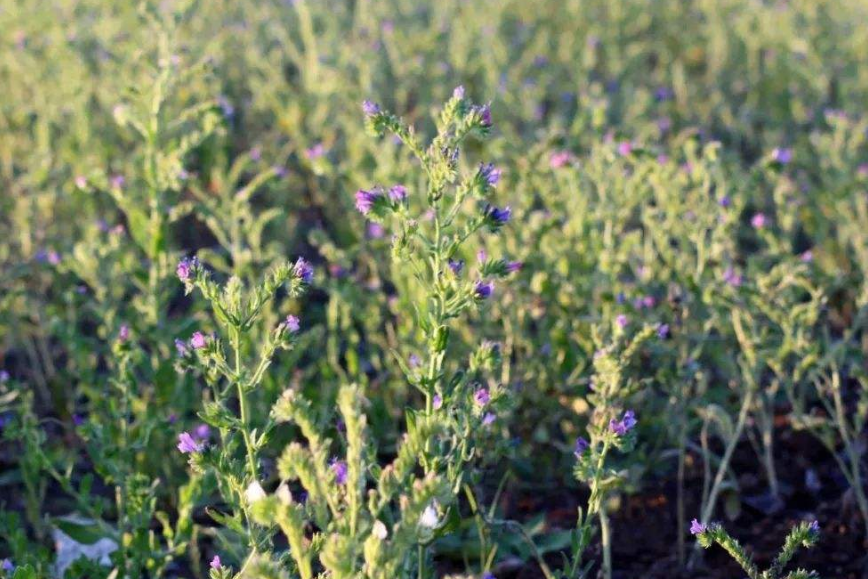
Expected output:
(4, 376)
(339, 468)
(370, 108)
(625, 148)
(187, 444)
(560, 159)
(437, 402)
(124, 333)
(782, 155)
(481, 397)
(197, 341)
(663, 331)
(758, 221)
(215, 562)
(185, 269)
(456, 265)
(303, 270)
(397, 193)
(458, 92)
(498, 216)
(807, 256)
(117, 181)
(315, 152)
(293, 324)
(724, 201)
(623, 426)
(365, 201)
(483, 289)
(481, 256)
(581, 446)
(7, 566)
(181, 347)
(697, 528)
(488, 418)
(731, 277)
(514, 266)
(485, 115)
(489, 174)
(622, 320)
(376, 231)
(814, 527)
(202, 432)
(414, 361)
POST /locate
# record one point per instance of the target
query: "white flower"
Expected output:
(429, 517)
(380, 531)
(283, 494)
(254, 493)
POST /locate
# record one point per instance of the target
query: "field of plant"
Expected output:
(399, 289)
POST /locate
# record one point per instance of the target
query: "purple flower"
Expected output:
(303, 270)
(365, 201)
(225, 106)
(623, 426)
(185, 268)
(77, 419)
(648, 301)
(625, 148)
(622, 320)
(414, 361)
(514, 266)
(697, 528)
(197, 340)
(662, 331)
(498, 217)
(53, 257)
(483, 289)
(481, 397)
(339, 468)
(758, 221)
(187, 444)
(292, 324)
(488, 418)
(7, 566)
(181, 347)
(481, 256)
(256, 153)
(782, 156)
(732, 278)
(560, 159)
(215, 562)
(485, 114)
(315, 152)
(397, 193)
(458, 92)
(807, 256)
(814, 527)
(124, 333)
(4, 376)
(375, 231)
(437, 402)
(117, 181)
(489, 174)
(581, 446)
(488, 575)
(370, 109)
(456, 266)
(202, 432)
